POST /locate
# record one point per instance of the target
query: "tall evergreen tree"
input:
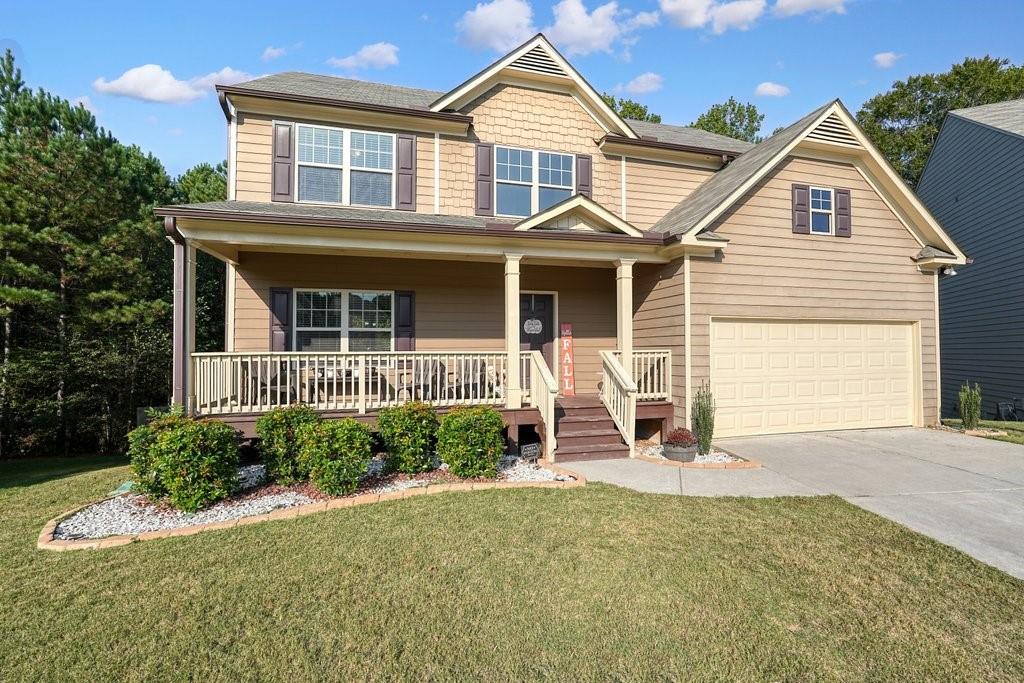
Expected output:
(84, 278)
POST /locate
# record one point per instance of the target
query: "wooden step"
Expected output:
(590, 437)
(596, 452)
(570, 425)
(583, 411)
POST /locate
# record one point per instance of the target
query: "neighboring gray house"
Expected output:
(973, 184)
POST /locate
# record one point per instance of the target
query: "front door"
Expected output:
(537, 325)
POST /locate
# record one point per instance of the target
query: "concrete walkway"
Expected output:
(964, 491)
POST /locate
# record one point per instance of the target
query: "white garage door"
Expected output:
(776, 376)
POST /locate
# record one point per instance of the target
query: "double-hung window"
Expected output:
(528, 181)
(822, 211)
(342, 166)
(344, 320)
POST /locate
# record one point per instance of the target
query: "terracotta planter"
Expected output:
(680, 453)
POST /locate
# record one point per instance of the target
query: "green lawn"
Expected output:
(579, 584)
(1014, 430)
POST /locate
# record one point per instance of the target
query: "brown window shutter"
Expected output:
(801, 209)
(282, 160)
(844, 226)
(405, 173)
(405, 321)
(280, 319)
(584, 175)
(484, 179)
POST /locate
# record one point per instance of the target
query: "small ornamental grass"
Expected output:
(470, 441)
(191, 463)
(970, 405)
(681, 437)
(336, 453)
(409, 434)
(703, 408)
(279, 449)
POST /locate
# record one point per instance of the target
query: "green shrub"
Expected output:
(703, 409)
(141, 452)
(195, 462)
(970, 405)
(470, 441)
(279, 448)
(409, 434)
(336, 453)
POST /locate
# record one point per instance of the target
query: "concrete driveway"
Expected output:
(964, 491)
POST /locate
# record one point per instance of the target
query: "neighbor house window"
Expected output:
(528, 181)
(343, 320)
(822, 217)
(342, 166)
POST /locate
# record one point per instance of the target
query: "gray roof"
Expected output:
(932, 252)
(1008, 116)
(343, 90)
(710, 195)
(685, 135)
(290, 210)
(383, 94)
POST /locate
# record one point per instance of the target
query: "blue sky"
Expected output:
(677, 56)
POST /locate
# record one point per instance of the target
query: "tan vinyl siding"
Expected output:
(658, 320)
(255, 147)
(538, 119)
(459, 306)
(252, 166)
(769, 272)
(654, 187)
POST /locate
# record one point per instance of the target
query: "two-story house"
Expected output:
(514, 242)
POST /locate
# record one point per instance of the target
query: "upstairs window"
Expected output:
(528, 181)
(341, 166)
(822, 211)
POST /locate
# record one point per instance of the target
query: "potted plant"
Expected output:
(680, 445)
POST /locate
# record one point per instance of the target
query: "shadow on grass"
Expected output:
(30, 471)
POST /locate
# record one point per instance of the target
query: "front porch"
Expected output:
(351, 331)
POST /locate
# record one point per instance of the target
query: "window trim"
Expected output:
(345, 328)
(535, 183)
(811, 210)
(346, 167)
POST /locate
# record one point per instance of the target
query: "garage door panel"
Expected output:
(787, 376)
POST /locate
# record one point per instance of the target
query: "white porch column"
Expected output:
(624, 311)
(184, 323)
(513, 386)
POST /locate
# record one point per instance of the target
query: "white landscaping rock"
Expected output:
(517, 469)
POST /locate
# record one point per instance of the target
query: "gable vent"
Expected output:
(538, 61)
(834, 131)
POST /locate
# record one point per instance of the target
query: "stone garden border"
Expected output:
(48, 542)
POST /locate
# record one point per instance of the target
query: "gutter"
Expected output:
(170, 213)
(656, 144)
(331, 102)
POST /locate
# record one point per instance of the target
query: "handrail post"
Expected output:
(361, 382)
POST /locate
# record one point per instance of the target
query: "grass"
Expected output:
(1014, 430)
(587, 584)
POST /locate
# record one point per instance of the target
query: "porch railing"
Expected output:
(652, 372)
(226, 383)
(618, 393)
(541, 393)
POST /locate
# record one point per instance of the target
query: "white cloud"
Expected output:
(176, 132)
(641, 20)
(687, 13)
(885, 60)
(644, 83)
(85, 102)
(581, 33)
(373, 56)
(789, 8)
(498, 25)
(769, 89)
(153, 83)
(272, 52)
(738, 14)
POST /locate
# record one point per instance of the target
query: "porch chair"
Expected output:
(475, 384)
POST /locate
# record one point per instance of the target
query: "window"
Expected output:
(340, 166)
(521, 192)
(821, 211)
(343, 320)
